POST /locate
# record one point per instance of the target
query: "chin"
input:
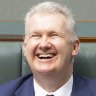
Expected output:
(45, 71)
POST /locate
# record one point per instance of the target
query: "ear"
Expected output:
(24, 46)
(23, 49)
(76, 47)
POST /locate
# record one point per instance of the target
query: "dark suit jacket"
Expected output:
(24, 87)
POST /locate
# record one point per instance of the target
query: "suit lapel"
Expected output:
(26, 89)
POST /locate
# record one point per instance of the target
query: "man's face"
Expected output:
(47, 45)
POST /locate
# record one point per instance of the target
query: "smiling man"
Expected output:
(50, 46)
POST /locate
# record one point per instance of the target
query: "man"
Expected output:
(50, 46)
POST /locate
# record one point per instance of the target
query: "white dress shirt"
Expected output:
(65, 90)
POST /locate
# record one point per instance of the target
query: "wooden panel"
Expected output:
(87, 39)
(12, 38)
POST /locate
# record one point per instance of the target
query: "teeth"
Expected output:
(45, 55)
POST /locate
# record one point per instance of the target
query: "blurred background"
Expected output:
(12, 14)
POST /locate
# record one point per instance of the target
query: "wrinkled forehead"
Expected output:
(47, 20)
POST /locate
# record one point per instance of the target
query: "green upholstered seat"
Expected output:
(10, 61)
(13, 63)
(85, 62)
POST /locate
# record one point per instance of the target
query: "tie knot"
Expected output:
(50, 95)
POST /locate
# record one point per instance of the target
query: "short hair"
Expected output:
(51, 7)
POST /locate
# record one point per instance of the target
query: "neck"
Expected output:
(53, 82)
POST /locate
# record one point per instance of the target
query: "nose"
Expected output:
(45, 45)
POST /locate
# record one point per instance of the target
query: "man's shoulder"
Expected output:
(9, 88)
(84, 79)
(84, 85)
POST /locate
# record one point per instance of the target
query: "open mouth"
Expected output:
(46, 56)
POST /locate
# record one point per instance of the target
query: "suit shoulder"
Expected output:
(84, 79)
(9, 88)
(90, 83)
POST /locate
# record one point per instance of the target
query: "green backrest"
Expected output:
(85, 61)
(10, 61)
(13, 63)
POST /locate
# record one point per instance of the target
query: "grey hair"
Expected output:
(51, 7)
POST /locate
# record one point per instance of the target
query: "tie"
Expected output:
(50, 95)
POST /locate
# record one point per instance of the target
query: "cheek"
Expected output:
(30, 47)
(59, 44)
(63, 47)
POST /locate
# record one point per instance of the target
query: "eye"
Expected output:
(54, 35)
(35, 36)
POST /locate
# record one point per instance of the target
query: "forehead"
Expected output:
(44, 21)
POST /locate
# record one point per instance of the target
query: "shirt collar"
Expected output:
(65, 90)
